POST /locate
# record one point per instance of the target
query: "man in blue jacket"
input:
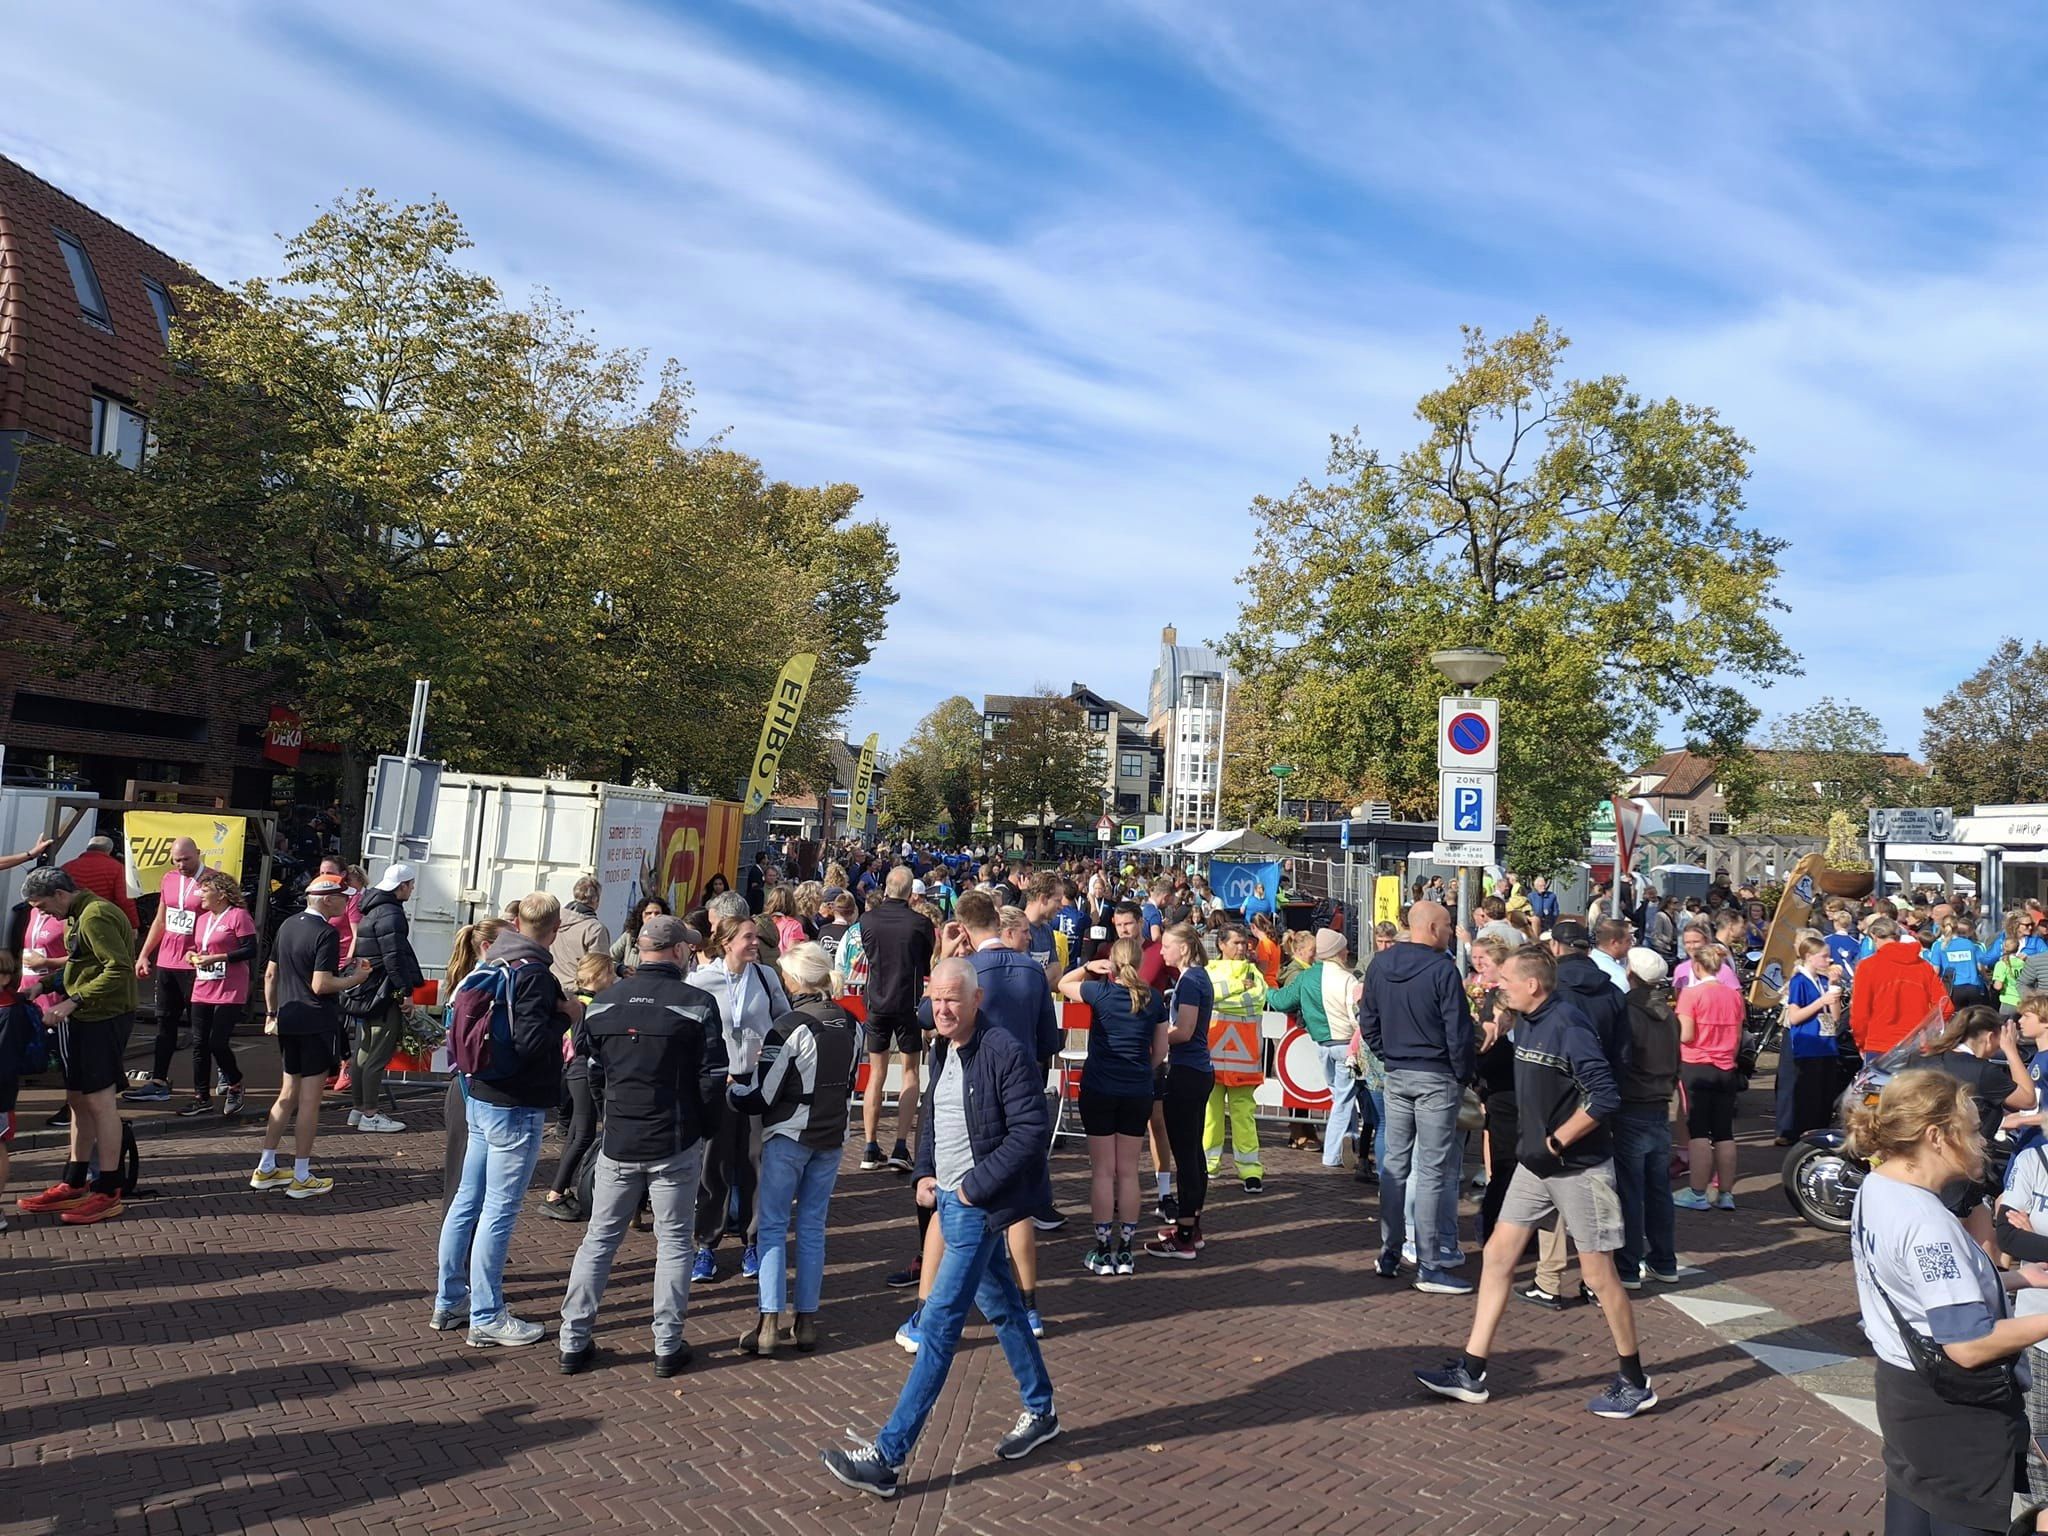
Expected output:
(1415, 1018)
(981, 1165)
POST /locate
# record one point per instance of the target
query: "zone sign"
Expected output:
(1468, 734)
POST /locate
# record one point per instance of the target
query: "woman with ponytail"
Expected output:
(1126, 1045)
(1949, 1400)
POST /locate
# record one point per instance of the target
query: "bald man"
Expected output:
(1415, 1018)
(167, 949)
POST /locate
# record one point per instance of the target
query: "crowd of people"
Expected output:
(704, 1066)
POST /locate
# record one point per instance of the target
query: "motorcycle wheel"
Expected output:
(1815, 1186)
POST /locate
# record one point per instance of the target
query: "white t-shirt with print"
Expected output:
(2026, 1191)
(1927, 1265)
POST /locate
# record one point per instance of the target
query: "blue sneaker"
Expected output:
(1034, 1322)
(706, 1267)
(750, 1261)
(148, 1093)
(907, 1336)
(1692, 1200)
(1432, 1281)
(1623, 1401)
(863, 1468)
(1451, 1379)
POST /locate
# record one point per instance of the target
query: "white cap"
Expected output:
(395, 875)
(917, 887)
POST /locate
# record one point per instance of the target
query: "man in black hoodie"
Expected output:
(506, 1112)
(384, 938)
(1566, 1094)
(650, 1034)
(1415, 1018)
(1591, 988)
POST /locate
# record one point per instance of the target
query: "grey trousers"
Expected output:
(671, 1186)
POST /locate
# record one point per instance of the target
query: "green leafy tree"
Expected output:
(912, 804)
(1826, 760)
(1593, 536)
(1986, 742)
(947, 749)
(1038, 765)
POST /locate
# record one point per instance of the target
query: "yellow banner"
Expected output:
(151, 833)
(785, 704)
(863, 781)
(1386, 900)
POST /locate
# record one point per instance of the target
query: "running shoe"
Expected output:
(909, 1275)
(871, 1160)
(344, 1079)
(1451, 1258)
(1029, 1432)
(1727, 1201)
(907, 1335)
(1692, 1200)
(355, 1118)
(899, 1159)
(1441, 1282)
(449, 1320)
(196, 1107)
(379, 1124)
(1049, 1219)
(1034, 1322)
(1387, 1267)
(275, 1178)
(1662, 1276)
(706, 1267)
(1534, 1293)
(1169, 1208)
(148, 1093)
(1408, 1255)
(1254, 1184)
(312, 1184)
(1126, 1261)
(1622, 1400)
(94, 1208)
(1172, 1244)
(1451, 1379)
(1099, 1259)
(58, 1197)
(231, 1104)
(564, 1209)
(750, 1261)
(861, 1467)
(505, 1332)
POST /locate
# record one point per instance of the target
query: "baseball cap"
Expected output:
(395, 875)
(917, 887)
(326, 885)
(664, 932)
(1571, 933)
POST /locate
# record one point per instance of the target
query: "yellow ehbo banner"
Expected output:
(863, 781)
(1386, 903)
(785, 705)
(150, 835)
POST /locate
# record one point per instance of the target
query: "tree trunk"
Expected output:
(354, 788)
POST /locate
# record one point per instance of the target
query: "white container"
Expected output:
(24, 814)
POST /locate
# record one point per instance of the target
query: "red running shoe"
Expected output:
(58, 1197)
(96, 1207)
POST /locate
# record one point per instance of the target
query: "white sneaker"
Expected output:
(505, 1331)
(382, 1124)
(355, 1118)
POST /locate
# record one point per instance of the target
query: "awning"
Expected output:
(1159, 842)
(1242, 842)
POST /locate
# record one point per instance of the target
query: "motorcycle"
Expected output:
(1821, 1175)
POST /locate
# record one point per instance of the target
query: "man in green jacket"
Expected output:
(1322, 998)
(92, 1020)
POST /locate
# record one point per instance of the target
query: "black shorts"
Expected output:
(1710, 1095)
(893, 1032)
(91, 1053)
(308, 1055)
(1115, 1114)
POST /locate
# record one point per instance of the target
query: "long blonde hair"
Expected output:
(1126, 961)
(1912, 1104)
(467, 952)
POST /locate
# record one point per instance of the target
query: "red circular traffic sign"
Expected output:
(1469, 733)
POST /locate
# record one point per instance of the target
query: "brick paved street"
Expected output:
(223, 1360)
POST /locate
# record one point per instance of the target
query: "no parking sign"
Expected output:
(1468, 734)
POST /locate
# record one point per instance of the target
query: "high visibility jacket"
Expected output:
(1235, 1051)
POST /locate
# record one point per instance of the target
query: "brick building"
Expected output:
(85, 311)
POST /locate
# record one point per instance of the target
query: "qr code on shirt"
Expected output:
(1937, 1261)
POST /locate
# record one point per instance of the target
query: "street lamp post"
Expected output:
(1467, 666)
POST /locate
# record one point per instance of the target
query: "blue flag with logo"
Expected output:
(1237, 884)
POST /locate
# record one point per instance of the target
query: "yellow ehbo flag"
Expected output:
(863, 781)
(785, 706)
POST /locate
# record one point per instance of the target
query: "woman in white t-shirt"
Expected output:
(1948, 1467)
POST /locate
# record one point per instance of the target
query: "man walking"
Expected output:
(302, 987)
(1566, 1094)
(983, 1173)
(167, 949)
(648, 1036)
(384, 939)
(506, 1112)
(581, 932)
(92, 1021)
(896, 941)
(1415, 1018)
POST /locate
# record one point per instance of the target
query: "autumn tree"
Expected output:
(946, 748)
(1038, 765)
(912, 803)
(1986, 742)
(1592, 535)
(1825, 760)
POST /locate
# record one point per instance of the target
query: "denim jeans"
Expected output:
(1642, 1172)
(504, 1145)
(791, 1171)
(1343, 1100)
(974, 1271)
(671, 1188)
(1422, 1138)
(1378, 1098)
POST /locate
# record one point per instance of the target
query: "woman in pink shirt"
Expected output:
(223, 946)
(42, 955)
(1709, 1032)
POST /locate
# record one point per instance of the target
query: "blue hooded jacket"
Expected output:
(1415, 1016)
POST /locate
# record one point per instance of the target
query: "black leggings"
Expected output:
(1710, 1095)
(583, 1094)
(1503, 1133)
(213, 1033)
(1186, 1102)
(728, 1164)
(173, 1009)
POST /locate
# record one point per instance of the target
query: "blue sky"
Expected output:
(1063, 286)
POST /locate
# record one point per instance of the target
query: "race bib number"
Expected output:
(180, 920)
(1827, 1028)
(217, 971)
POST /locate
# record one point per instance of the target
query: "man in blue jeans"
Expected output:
(1642, 1128)
(1415, 1017)
(981, 1165)
(505, 1115)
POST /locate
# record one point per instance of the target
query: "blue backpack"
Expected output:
(24, 1041)
(480, 1022)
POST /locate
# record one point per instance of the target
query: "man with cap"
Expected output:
(302, 989)
(650, 1036)
(383, 938)
(1322, 998)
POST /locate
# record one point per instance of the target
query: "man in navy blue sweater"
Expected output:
(1566, 1093)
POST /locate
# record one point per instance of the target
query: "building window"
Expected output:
(84, 281)
(1718, 826)
(1130, 765)
(1098, 719)
(1679, 822)
(160, 301)
(119, 431)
